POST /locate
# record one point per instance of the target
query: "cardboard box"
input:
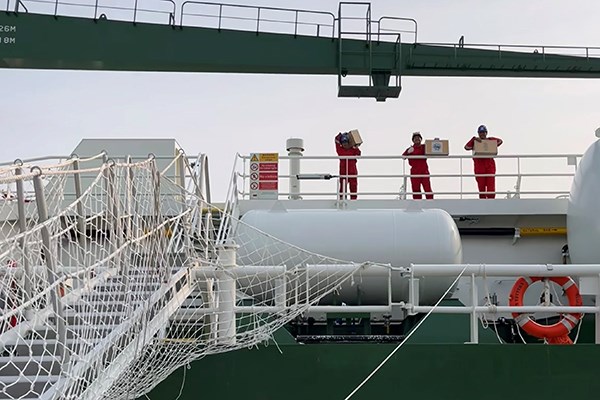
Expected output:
(436, 147)
(355, 139)
(485, 147)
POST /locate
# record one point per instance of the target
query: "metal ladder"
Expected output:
(378, 86)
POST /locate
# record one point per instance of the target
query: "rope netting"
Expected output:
(114, 274)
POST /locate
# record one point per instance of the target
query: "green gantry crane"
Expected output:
(369, 56)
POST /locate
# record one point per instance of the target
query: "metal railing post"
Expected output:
(29, 275)
(258, 21)
(112, 212)
(161, 233)
(474, 301)
(55, 297)
(81, 230)
(131, 210)
(226, 326)
(597, 333)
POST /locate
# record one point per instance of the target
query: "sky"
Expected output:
(49, 112)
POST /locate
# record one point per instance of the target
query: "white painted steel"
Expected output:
(508, 270)
(295, 147)
(226, 325)
(395, 237)
(583, 216)
(504, 309)
(474, 300)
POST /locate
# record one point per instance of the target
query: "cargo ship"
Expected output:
(121, 278)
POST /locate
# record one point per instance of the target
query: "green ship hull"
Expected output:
(435, 363)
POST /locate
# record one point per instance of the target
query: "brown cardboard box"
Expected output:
(485, 147)
(355, 139)
(436, 147)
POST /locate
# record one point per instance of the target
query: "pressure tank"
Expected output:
(583, 216)
(396, 237)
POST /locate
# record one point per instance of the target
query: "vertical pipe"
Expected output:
(29, 276)
(295, 147)
(226, 327)
(55, 298)
(474, 322)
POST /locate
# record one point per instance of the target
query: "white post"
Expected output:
(281, 291)
(226, 328)
(597, 336)
(474, 301)
(295, 147)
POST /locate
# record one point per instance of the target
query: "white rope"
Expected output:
(407, 337)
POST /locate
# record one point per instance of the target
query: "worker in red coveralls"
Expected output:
(418, 166)
(348, 169)
(486, 184)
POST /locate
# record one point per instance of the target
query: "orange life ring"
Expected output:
(567, 321)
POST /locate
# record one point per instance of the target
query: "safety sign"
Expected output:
(264, 169)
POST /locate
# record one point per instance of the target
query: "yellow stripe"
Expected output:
(542, 231)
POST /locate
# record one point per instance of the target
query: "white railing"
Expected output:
(588, 273)
(388, 177)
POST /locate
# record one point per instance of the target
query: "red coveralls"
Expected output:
(484, 166)
(347, 167)
(419, 167)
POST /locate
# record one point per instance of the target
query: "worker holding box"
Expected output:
(483, 145)
(348, 170)
(418, 166)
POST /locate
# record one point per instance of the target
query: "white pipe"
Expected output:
(505, 309)
(474, 322)
(240, 272)
(597, 335)
(276, 271)
(544, 270)
(226, 325)
(200, 312)
(295, 147)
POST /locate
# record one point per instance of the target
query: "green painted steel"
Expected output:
(451, 371)
(45, 42)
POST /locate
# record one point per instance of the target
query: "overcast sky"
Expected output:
(49, 112)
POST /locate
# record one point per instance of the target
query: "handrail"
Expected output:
(483, 271)
(456, 181)
(98, 5)
(379, 29)
(258, 19)
(542, 50)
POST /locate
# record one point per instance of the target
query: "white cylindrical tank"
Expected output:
(583, 215)
(396, 237)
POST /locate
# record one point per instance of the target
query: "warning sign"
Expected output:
(264, 169)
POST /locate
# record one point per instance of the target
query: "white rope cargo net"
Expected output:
(114, 273)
